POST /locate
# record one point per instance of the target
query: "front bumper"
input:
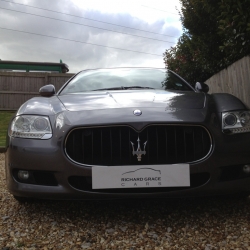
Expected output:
(223, 171)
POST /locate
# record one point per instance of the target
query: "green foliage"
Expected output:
(5, 118)
(234, 28)
(216, 34)
(184, 59)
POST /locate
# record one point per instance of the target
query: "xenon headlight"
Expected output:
(31, 126)
(236, 121)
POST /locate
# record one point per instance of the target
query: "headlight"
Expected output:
(31, 126)
(236, 121)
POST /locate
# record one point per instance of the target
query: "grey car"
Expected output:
(128, 133)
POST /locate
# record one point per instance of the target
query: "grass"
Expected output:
(5, 117)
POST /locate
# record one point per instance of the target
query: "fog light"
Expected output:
(246, 169)
(23, 175)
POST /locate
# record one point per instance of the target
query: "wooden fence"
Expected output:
(234, 80)
(16, 87)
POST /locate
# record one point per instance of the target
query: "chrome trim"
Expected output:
(86, 165)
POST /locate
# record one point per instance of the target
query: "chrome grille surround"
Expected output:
(111, 145)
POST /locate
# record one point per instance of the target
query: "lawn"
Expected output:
(5, 117)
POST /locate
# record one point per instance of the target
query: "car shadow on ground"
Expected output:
(143, 210)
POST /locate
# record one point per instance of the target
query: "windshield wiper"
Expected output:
(124, 88)
(137, 87)
(116, 88)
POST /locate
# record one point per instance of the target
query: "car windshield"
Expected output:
(125, 78)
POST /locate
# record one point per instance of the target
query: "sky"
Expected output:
(87, 34)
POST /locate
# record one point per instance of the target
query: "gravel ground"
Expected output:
(204, 223)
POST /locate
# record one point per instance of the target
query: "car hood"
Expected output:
(136, 99)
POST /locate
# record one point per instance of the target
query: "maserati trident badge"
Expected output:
(137, 112)
(139, 152)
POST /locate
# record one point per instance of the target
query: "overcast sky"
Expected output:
(79, 48)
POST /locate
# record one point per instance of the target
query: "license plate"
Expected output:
(143, 176)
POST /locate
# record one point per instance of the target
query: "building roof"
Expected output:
(34, 66)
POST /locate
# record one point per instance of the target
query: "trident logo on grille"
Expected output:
(139, 152)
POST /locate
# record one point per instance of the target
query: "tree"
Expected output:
(184, 60)
(234, 28)
(207, 41)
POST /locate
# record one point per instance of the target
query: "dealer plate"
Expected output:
(143, 176)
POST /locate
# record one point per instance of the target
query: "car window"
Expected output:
(171, 81)
(125, 78)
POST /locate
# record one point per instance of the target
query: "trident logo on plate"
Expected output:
(139, 152)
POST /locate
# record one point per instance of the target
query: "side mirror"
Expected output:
(47, 90)
(201, 87)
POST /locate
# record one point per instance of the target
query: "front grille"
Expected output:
(111, 146)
